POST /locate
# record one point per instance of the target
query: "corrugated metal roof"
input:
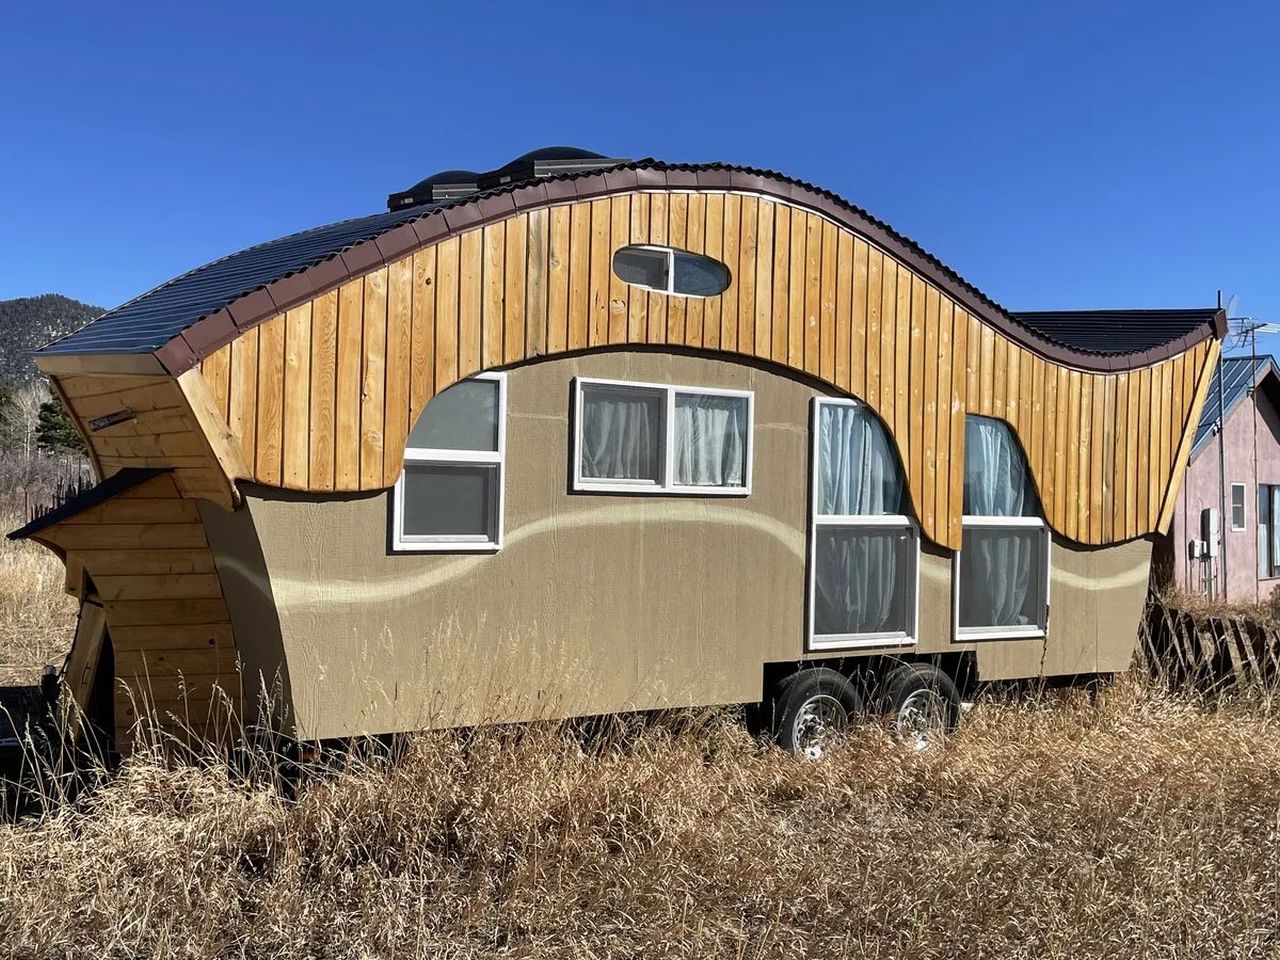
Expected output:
(1238, 375)
(1115, 331)
(148, 322)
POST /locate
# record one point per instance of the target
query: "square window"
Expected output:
(654, 438)
(710, 440)
(864, 582)
(450, 500)
(1003, 576)
(621, 433)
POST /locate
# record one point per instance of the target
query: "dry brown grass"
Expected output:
(36, 617)
(1133, 824)
(1266, 612)
(1136, 825)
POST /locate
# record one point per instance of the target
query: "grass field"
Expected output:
(1130, 824)
(36, 616)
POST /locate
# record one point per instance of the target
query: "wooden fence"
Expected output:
(1211, 652)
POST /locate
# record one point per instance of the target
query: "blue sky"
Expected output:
(1057, 155)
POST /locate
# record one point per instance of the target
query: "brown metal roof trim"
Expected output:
(221, 327)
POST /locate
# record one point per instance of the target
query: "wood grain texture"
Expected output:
(182, 425)
(1104, 448)
(155, 578)
(324, 369)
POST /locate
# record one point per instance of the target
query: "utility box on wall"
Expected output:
(1210, 525)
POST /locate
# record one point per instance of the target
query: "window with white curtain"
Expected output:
(656, 438)
(1002, 569)
(449, 496)
(1268, 531)
(864, 550)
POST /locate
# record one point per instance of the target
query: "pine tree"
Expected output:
(55, 433)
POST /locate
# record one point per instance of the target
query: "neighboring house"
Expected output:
(582, 435)
(1248, 522)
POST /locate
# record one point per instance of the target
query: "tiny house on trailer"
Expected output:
(583, 435)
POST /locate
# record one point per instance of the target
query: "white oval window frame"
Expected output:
(671, 270)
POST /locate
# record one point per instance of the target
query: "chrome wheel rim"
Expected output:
(815, 721)
(921, 721)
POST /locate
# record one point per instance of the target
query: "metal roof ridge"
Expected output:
(176, 352)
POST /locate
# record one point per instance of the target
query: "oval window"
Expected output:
(671, 271)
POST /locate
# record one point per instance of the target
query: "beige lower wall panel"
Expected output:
(1096, 597)
(596, 603)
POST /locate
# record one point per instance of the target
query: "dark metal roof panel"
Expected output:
(148, 322)
(1112, 332)
(1238, 374)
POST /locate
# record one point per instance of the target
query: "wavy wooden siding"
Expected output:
(322, 397)
(169, 427)
(153, 572)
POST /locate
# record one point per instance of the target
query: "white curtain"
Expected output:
(710, 440)
(621, 435)
(996, 482)
(1001, 574)
(856, 574)
(857, 468)
(1001, 566)
(1275, 530)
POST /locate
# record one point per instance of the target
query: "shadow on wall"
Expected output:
(242, 570)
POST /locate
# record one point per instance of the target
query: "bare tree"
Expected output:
(19, 417)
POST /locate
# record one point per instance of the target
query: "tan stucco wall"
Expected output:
(596, 603)
(1096, 596)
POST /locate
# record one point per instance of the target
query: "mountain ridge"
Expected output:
(28, 323)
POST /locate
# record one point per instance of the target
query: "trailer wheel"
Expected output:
(921, 704)
(809, 707)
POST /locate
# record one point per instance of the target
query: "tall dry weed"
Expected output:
(36, 616)
(1127, 824)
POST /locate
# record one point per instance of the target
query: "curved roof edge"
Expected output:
(430, 224)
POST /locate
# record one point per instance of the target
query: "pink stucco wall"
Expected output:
(1248, 423)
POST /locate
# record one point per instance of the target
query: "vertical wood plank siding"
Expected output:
(1105, 449)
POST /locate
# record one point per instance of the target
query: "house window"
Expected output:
(1002, 569)
(1237, 506)
(652, 438)
(671, 271)
(449, 496)
(1268, 531)
(864, 551)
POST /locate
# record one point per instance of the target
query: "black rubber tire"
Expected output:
(796, 691)
(910, 678)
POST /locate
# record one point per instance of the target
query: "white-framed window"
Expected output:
(1268, 531)
(1237, 506)
(647, 438)
(1002, 569)
(667, 270)
(449, 496)
(864, 550)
